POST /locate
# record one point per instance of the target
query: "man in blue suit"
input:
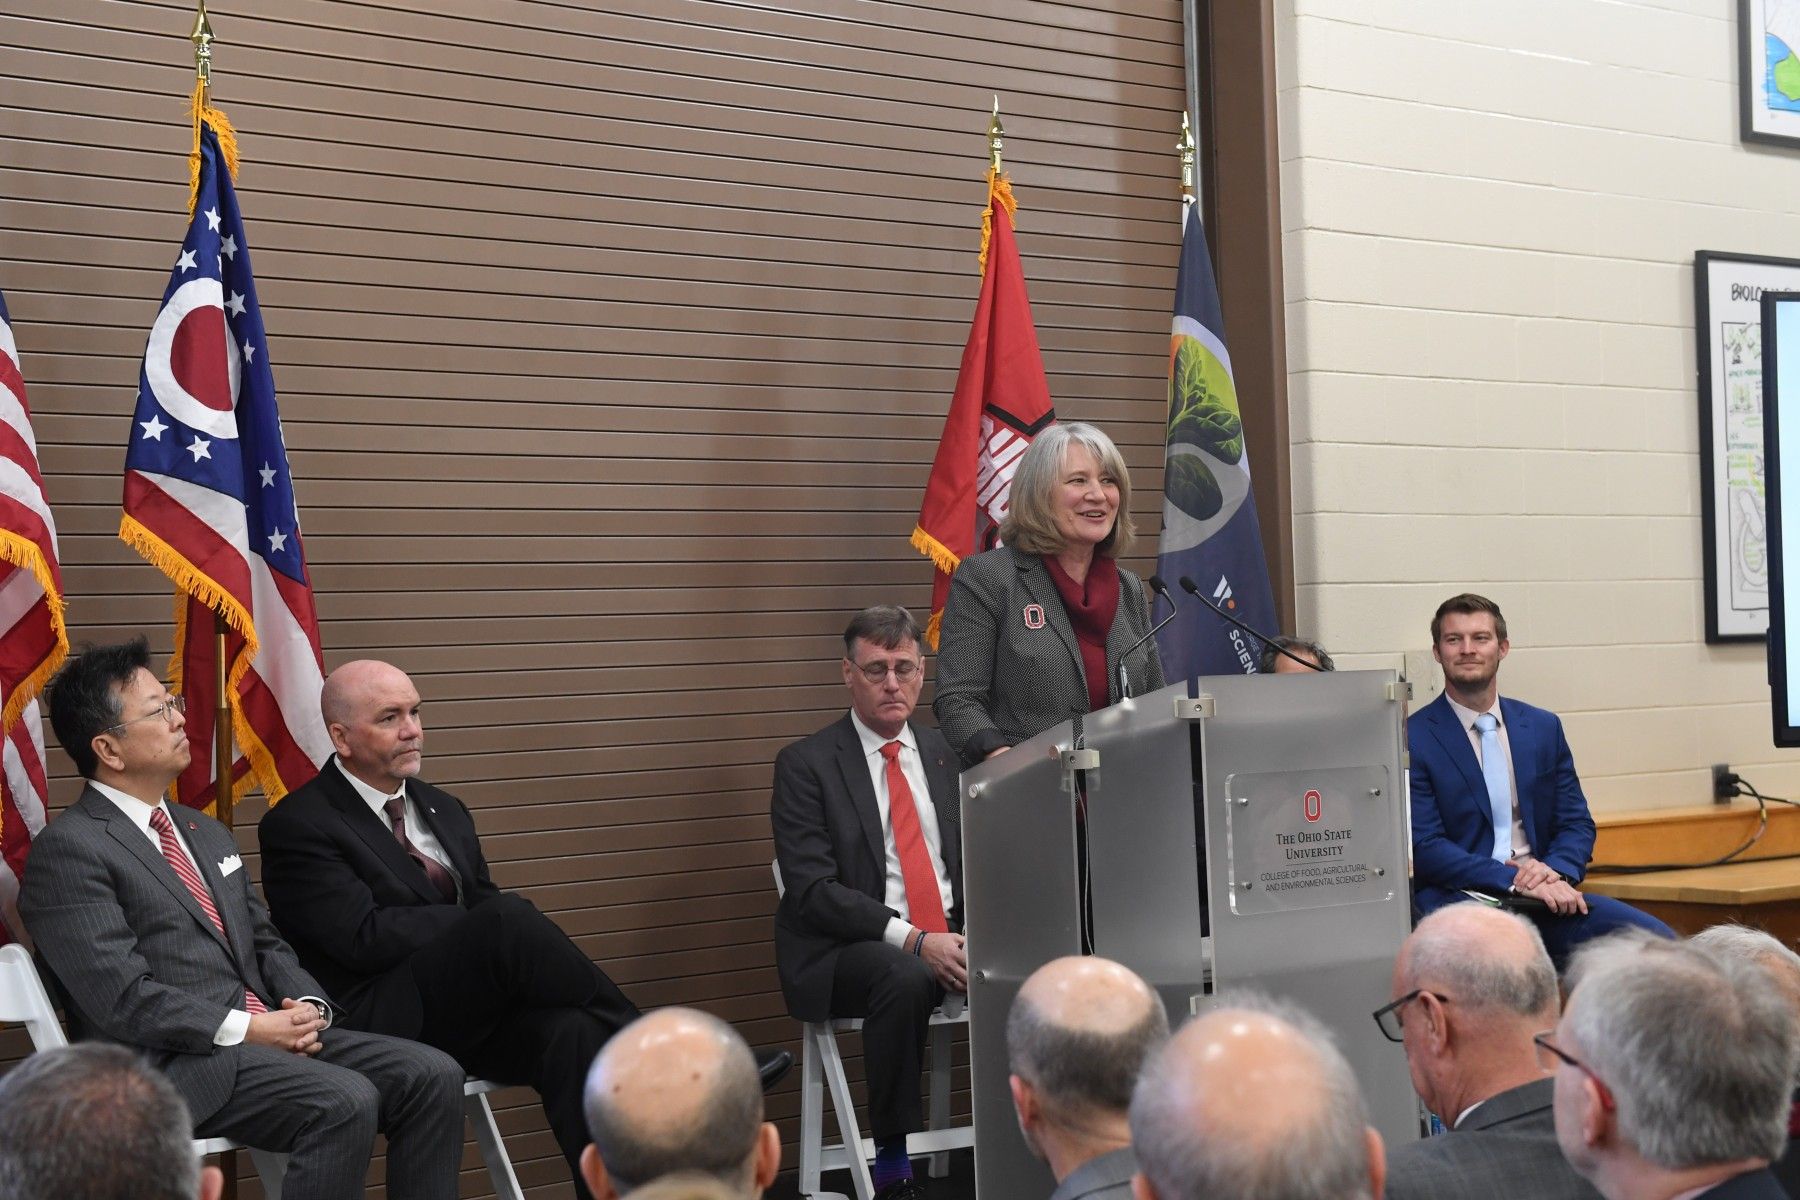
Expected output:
(1496, 805)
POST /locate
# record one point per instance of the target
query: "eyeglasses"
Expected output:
(1388, 1019)
(1549, 1054)
(166, 710)
(904, 671)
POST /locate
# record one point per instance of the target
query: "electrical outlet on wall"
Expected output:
(1427, 680)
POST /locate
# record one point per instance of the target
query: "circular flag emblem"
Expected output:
(192, 362)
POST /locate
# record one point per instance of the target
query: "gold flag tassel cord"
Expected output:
(999, 189)
(202, 109)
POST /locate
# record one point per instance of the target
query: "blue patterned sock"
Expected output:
(891, 1163)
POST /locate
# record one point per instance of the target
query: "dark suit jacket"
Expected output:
(1000, 681)
(137, 958)
(1751, 1185)
(833, 855)
(1506, 1150)
(1453, 827)
(353, 903)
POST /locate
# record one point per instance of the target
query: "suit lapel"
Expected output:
(375, 832)
(1121, 635)
(1455, 740)
(854, 767)
(1043, 593)
(431, 812)
(1519, 732)
(237, 937)
(121, 829)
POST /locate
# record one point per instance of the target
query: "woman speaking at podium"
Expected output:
(1034, 629)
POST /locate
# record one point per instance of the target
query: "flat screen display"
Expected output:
(1781, 500)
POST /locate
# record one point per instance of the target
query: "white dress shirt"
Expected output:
(417, 831)
(900, 928)
(1521, 844)
(236, 1024)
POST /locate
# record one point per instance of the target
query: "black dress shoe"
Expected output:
(773, 1066)
(903, 1189)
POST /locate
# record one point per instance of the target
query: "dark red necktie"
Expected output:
(434, 870)
(924, 903)
(196, 886)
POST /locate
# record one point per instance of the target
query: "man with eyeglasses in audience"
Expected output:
(1673, 1070)
(1472, 985)
(870, 855)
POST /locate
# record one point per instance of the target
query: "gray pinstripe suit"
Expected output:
(1000, 681)
(141, 964)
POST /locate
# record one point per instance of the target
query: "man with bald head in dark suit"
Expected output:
(378, 879)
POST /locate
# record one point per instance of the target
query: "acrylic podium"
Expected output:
(1240, 831)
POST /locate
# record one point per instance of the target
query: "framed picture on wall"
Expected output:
(1728, 292)
(1769, 71)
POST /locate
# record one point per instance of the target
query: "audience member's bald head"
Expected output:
(1253, 1100)
(676, 1091)
(372, 715)
(1487, 959)
(1079, 1032)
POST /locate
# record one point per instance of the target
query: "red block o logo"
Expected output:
(1312, 806)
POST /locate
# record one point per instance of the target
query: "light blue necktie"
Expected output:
(1497, 772)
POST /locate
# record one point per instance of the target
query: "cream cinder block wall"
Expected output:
(1490, 213)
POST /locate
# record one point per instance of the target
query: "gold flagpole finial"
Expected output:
(202, 37)
(994, 137)
(1186, 146)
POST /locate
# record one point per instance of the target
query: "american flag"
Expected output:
(33, 641)
(209, 500)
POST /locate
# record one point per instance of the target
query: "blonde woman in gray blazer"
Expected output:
(1011, 659)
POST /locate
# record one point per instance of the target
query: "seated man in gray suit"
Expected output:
(146, 917)
(1472, 986)
(866, 831)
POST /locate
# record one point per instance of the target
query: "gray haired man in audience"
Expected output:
(1674, 1067)
(1472, 986)
(1753, 945)
(677, 1091)
(1078, 1033)
(96, 1122)
(1252, 1100)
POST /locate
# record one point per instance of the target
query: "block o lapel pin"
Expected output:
(1034, 616)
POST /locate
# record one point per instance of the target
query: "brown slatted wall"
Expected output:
(613, 342)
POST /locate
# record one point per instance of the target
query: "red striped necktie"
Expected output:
(196, 886)
(924, 903)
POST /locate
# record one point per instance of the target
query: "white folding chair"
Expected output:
(487, 1138)
(23, 1000)
(822, 1068)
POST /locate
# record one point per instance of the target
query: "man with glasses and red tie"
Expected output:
(870, 850)
(147, 919)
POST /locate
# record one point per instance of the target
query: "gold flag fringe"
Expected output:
(204, 113)
(1000, 189)
(22, 552)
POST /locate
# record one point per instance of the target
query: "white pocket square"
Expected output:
(229, 864)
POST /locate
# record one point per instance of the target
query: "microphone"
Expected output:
(1161, 589)
(1193, 589)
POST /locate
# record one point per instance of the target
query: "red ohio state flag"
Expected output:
(1002, 400)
